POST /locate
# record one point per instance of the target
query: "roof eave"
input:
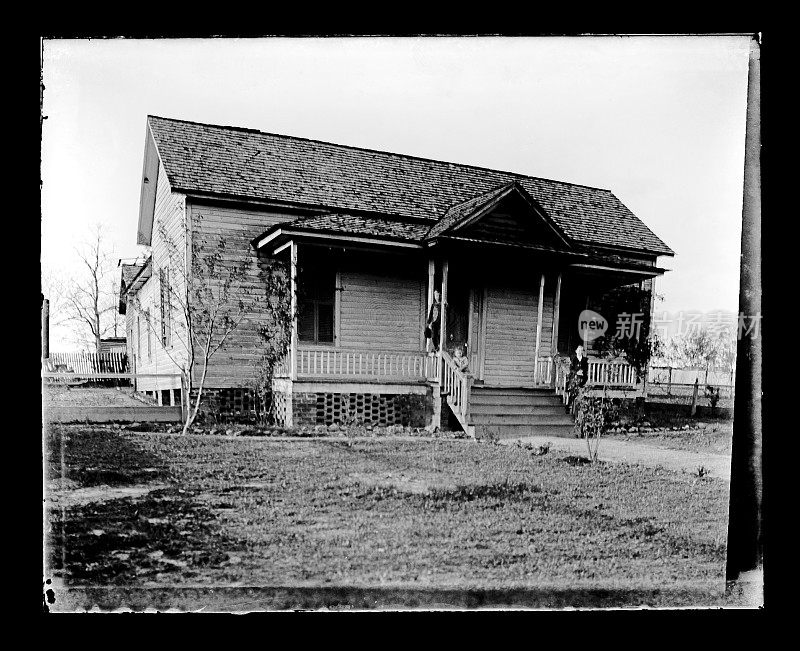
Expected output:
(147, 194)
(279, 235)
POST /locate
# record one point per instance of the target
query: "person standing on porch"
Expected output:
(578, 374)
(434, 324)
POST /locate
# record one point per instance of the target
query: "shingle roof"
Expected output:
(129, 272)
(456, 212)
(245, 163)
(359, 225)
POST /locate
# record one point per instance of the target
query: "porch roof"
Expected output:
(386, 231)
(346, 227)
(391, 232)
(369, 231)
(138, 276)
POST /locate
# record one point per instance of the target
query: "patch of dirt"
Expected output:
(60, 495)
(62, 396)
(401, 483)
(573, 460)
(136, 537)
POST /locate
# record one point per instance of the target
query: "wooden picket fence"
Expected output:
(86, 363)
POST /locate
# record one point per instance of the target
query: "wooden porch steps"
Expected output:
(508, 412)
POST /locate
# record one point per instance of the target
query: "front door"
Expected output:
(458, 316)
(509, 336)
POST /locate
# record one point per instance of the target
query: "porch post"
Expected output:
(436, 420)
(585, 341)
(443, 329)
(431, 278)
(556, 316)
(646, 375)
(538, 331)
(293, 345)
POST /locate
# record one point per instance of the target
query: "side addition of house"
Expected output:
(369, 236)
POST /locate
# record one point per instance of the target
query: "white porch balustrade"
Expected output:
(338, 363)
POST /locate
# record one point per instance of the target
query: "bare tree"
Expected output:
(213, 292)
(89, 298)
(54, 289)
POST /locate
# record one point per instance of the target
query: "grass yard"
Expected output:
(154, 510)
(712, 436)
(680, 431)
(716, 440)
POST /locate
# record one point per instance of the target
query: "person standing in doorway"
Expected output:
(433, 326)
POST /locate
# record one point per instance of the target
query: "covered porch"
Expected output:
(513, 313)
(511, 290)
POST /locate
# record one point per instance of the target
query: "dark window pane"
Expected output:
(325, 323)
(305, 321)
(316, 283)
(315, 296)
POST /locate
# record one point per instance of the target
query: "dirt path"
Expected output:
(67, 498)
(60, 396)
(637, 453)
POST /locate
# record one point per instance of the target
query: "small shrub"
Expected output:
(712, 394)
(702, 471)
(536, 450)
(593, 416)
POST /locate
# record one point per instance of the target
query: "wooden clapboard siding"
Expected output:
(235, 364)
(169, 212)
(510, 332)
(130, 325)
(501, 226)
(512, 221)
(381, 312)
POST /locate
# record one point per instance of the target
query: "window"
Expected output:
(138, 337)
(166, 306)
(315, 302)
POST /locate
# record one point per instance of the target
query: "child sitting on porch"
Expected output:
(461, 362)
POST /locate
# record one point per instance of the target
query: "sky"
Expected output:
(660, 121)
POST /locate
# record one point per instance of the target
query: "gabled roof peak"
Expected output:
(469, 212)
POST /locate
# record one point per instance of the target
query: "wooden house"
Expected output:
(369, 236)
(113, 345)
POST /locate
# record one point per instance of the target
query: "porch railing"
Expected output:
(544, 371)
(86, 363)
(614, 374)
(361, 364)
(456, 385)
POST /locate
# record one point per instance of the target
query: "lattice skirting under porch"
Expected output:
(230, 404)
(280, 406)
(412, 410)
